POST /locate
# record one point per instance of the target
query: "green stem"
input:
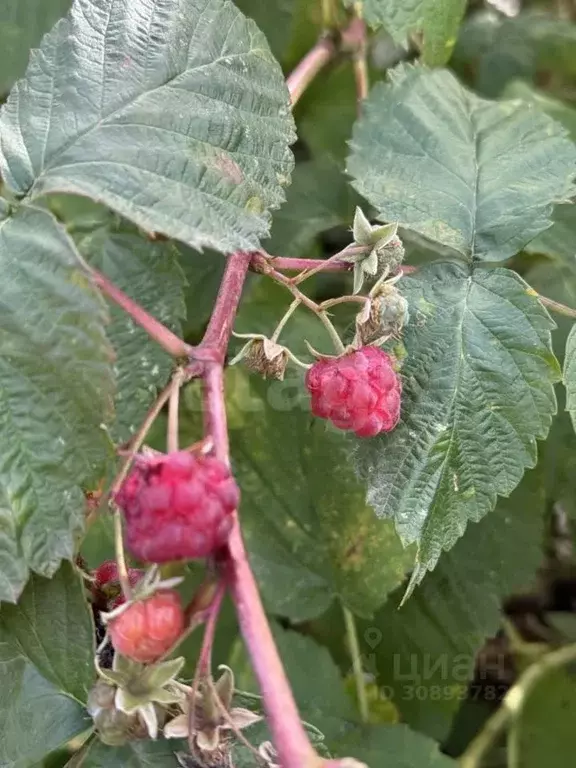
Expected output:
(290, 311)
(354, 648)
(513, 704)
(337, 341)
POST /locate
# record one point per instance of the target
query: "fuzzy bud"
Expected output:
(384, 315)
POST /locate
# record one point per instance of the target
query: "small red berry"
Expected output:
(359, 391)
(148, 628)
(177, 506)
(106, 589)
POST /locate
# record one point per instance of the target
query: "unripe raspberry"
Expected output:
(177, 506)
(148, 628)
(359, 391)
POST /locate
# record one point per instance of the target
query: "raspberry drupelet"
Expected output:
(177, 506)
(358, 392)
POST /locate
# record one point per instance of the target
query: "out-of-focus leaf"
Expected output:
(477, 176)
(172, 112)
(23, 24)
(423, 654)
(543, 733)
(570, 374)
(436, 21)
(275, 18)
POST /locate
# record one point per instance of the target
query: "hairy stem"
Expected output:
(360, 62)
(173, 410)
(121, 556)
(164, 336)
(356, 656)
(287, 315)
(289, 735)
(555, 306)
(308, 68)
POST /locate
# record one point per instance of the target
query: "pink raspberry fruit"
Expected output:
(359, 391)
(177, 506)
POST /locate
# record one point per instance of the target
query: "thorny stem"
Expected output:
(162, 335)
(356, 656)
(512, 705)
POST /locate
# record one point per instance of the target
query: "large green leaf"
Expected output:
(570, 374)
(478, 392)
(46, 668)
(477, 176)
(23, 24)
(51, 628)
(35, 717)
(436, 20)
(172, 112)
(310, 535)
(424, 653)
(55, 396)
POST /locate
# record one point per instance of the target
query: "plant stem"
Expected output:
(356, 656)
(140, 436)
(121, 555)
(320, 265)
(288, 314)
(359, 62)
(289, 735)
(562, 309)
(162, 335)
(333, 333)
(343, 300)
(309, 67)
(173, 409)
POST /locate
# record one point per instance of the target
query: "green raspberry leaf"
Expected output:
(478, 392)
(56, 389)
(172, 112)
(477, 176)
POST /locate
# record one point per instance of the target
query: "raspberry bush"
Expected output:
(278, 359)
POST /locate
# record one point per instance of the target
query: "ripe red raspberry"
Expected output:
(359, 391)
(148, 628)
(177, 506)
